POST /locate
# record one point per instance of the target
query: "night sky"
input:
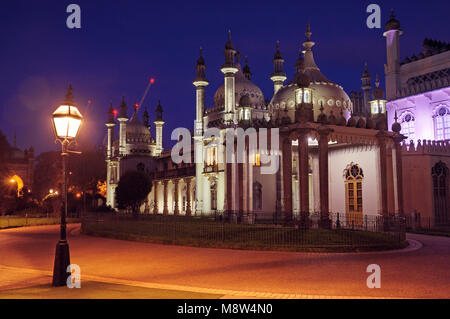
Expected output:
(123, 43)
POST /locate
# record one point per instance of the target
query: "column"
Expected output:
(176, 210)
(287, 179)
(241, 190)
(155, 197)
(323, 177)
(398, 163)
(165, 209)
(188, 197)
(381, 136)
(303, 159)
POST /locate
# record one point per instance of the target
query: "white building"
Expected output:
(330, 160)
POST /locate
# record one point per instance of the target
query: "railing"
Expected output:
(215, 231)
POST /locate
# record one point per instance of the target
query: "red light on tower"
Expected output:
(115, 113)
(152, 80)
(89, 102)
(136, 106)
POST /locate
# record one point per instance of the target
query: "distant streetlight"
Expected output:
(66, 121)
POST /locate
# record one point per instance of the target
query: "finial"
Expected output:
(321, 107)
(392, 13)
(201, 51)
(377, 81)
(395, 116)
(229, 34)
(238, 56)
(69, 94)
(278, 44)
(365, 66)
(308, 32)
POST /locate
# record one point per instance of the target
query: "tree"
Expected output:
(132, 190)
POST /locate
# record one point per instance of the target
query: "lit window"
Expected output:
(256, 160)
(442, 124)
(307, 96)
(407, 121)
(353, 188)
(211, 156)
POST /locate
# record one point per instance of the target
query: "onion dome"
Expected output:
(159, 112)
(136, 132)
(325, 91)
(332, 118)
(243, 86)
(245, 101)
(361, 123)
(396, 127)
(393, 23)
(377, 92)
(123, 109)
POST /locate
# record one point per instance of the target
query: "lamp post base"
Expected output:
(62, 261)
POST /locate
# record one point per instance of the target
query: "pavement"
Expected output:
(419, 271)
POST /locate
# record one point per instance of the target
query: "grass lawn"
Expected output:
(98, 290)
(9, 222)
(239, 236)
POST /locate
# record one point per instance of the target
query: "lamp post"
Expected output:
(66, 121)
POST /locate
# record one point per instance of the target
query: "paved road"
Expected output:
(416, 273)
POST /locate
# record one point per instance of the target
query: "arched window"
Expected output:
(353, 188)
(439, 173)
(442, 123)
(407, 122)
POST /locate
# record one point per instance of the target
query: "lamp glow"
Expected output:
(67, 121)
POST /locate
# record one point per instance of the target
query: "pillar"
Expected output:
(381, 136)
(398, 164)
(176, 210)
(303, 159)
(165, 209)
(287, 179)
(188, 197)
(155, 197)
(323, 177)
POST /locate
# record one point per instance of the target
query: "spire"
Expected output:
(123, 108)
(159, 112)
(392, 23)
(110, 114)
(238, 57)
(309, 57)
(200, 68)
(145, 118)
(229, 53)
(247, 72)
(300, 64)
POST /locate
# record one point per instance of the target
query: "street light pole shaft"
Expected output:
(64, 155)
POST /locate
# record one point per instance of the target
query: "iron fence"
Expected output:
(216, 230)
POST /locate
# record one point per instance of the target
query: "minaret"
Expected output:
(110, 124)
(145, 118)
(200, 83)
(110, 166)
(229, 69)
(246, 70)
(392, 67)
(278, 76)
(366, 87)
(123, 118)
(159, 122)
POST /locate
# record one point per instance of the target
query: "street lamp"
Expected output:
(66, 121)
